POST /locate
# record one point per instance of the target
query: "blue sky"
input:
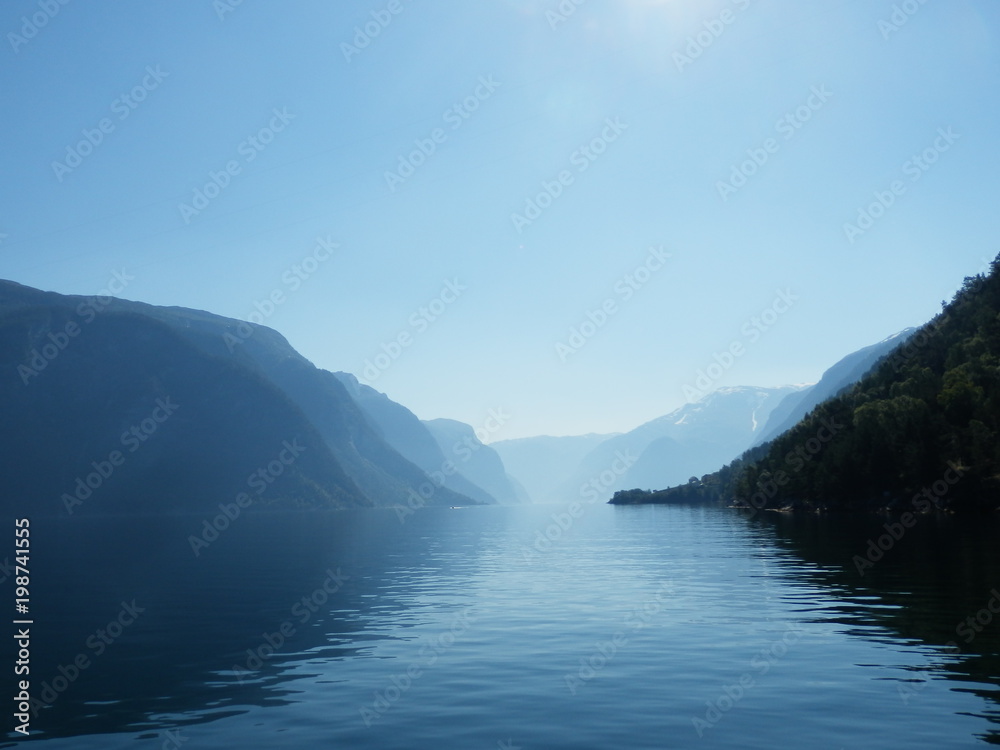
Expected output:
(539, 155)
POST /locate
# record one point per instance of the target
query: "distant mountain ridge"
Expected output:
(691, 441)
(475, 460)
(429, 446)
(844, 374)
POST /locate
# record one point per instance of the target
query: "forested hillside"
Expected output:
(918, 432)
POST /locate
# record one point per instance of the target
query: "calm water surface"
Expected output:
(646, 627)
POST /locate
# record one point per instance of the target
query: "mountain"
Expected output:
(476, 462)
(78, 373)
(691, 440)
(698, 438)
(541, 464)
(130, 417)
(844, 374)
(417, 442)
(917, 433)
(694, 439)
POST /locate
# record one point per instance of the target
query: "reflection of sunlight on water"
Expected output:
(735, 591)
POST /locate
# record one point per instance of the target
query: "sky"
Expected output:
(579, 215)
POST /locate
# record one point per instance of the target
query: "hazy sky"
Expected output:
(495, 174)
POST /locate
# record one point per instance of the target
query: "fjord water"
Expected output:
(492, 627)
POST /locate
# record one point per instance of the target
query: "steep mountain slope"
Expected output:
(844, 374)
(413, 439)
(476, 462)
(375, 465)
(691, 440)
(382, 475)
(129, 417)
